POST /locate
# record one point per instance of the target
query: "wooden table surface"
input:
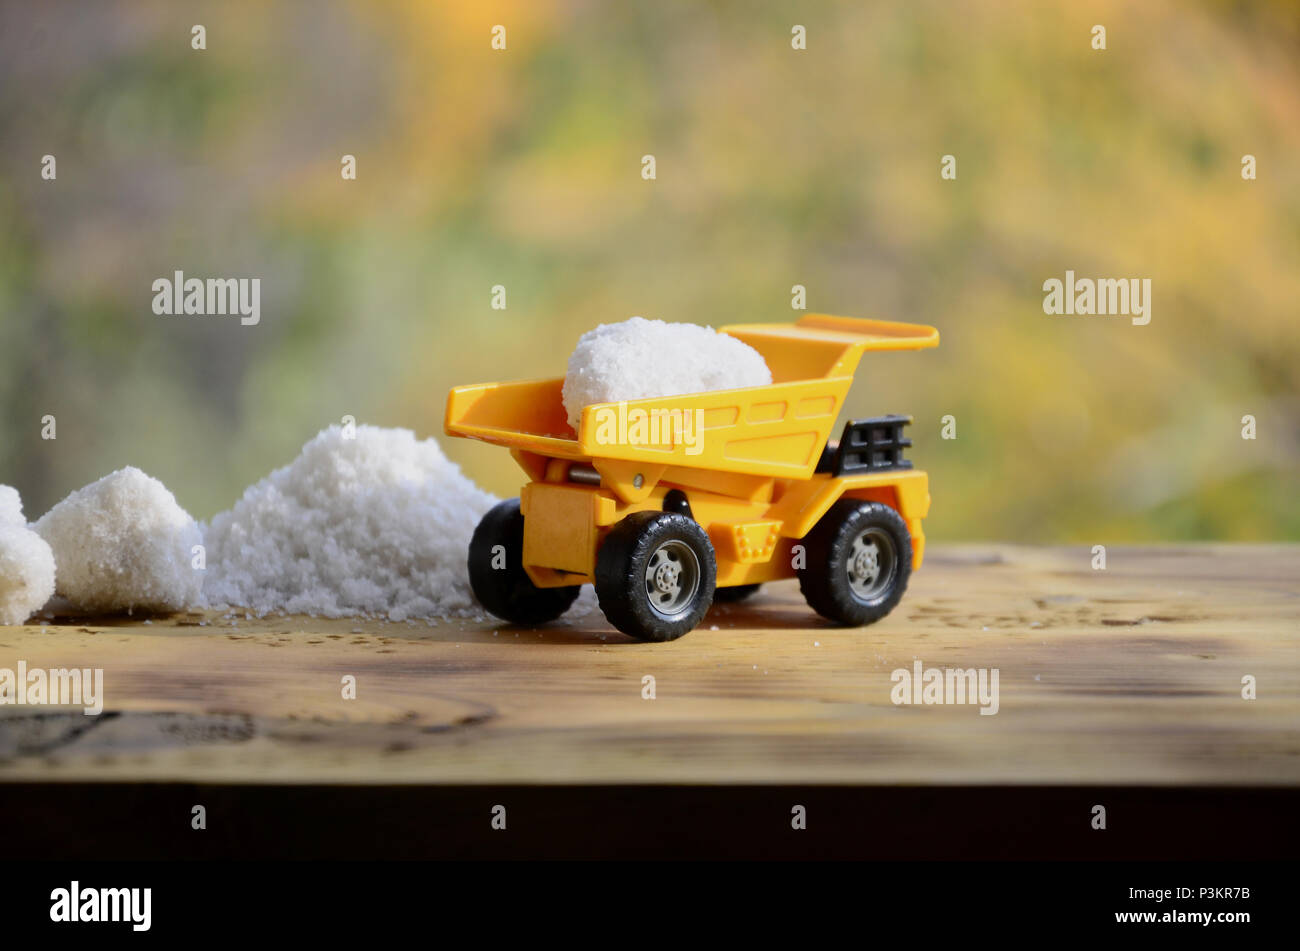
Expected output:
(1131, 675)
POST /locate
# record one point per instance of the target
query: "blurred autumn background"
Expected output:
(775, 167)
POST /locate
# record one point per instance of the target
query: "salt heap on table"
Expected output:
(641, 358)
(365, 522)
(11, 507)
(26, 563)
(124, 543)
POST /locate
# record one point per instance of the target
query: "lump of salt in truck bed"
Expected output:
(26, 563)
(361, 523)
(124, 543)
(641, 358)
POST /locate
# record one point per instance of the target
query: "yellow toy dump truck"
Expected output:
(666, 504)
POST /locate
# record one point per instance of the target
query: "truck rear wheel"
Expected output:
(655, 575)
(859, 558)
(497, 576)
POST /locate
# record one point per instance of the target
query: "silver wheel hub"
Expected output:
(871, 564)
(672, 579)
(666, 577)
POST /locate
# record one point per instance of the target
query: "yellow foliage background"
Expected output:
(775, 167)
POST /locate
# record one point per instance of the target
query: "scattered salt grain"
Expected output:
(123, 543)
(374, 524)
(639, 358)
(26, 563)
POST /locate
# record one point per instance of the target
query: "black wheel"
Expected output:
(735, 592)
(858, 560)
(496, 571)
(655, 575)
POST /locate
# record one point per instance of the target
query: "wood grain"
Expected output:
(1124, 676)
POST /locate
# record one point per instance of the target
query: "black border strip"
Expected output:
(147, 821)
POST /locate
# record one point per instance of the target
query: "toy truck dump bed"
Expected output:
(773, 430)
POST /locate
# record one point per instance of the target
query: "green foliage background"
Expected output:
(775, 168)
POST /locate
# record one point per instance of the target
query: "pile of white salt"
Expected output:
(122, 544)
(26, 563)
(365, 523)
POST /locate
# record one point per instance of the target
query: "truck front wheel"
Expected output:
(655, 575)
(497, 576)
(858, 561)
